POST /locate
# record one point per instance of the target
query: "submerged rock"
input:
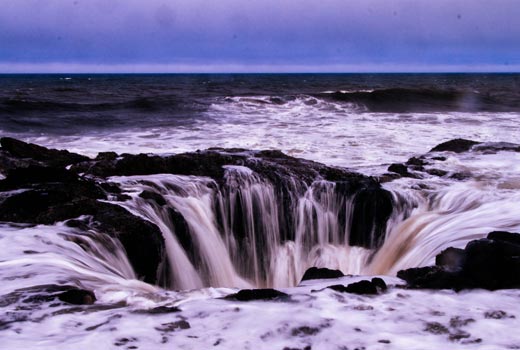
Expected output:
(315, 273)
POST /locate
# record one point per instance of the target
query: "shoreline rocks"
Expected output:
(490, 263)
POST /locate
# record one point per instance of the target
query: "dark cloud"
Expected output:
(268, 32)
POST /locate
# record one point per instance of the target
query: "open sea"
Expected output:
(351, 120)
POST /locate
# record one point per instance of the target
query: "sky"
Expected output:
(259, 35)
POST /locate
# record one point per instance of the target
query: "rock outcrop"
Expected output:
(490, 263)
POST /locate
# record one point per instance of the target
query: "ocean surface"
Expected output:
(363, 122)
(352, 120)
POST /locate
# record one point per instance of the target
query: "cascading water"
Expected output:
(232, 234)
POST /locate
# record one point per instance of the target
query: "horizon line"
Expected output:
(240, 68)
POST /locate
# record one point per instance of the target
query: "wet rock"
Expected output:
(432, 277)
(77, 297)
(258, 294)
(107, 156)
(400, 169)
(456, 145)
(490, 263)
(436, 172)
(417, 161)
(372, 209)
(153, 196)
(452, 259)
(315, 273)
(375, 286)
(50, 157)
(173, 326)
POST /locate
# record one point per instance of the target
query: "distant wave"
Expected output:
(420, 100)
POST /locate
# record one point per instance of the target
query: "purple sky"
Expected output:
(265, 36)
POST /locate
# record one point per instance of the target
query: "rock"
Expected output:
(503, 236)
(490, 263)
(108, 156)
(452, 259)
(436, 172)
(315, 273)
(493, 264)
(432, 277)
(77, 297)
(456, 145)
(258, 294)
(50, 157)
(365, 287)
(400, 169)
(380, 284)
(154, 197)
(417, 161)
(372, 208)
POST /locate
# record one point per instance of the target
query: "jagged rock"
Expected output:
(456, 145)
(50, 157)
(258, 294)
(315, 273)
(77, 297)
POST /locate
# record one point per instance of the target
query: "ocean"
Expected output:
(259, 177)
(341, 119)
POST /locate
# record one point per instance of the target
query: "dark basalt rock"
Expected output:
(77, 297)
(432, 277)
(452, 259)
(152, 196)
(315, 273)
(258, 294)
(490, 263)
(372, 208)
(401, 169)
(456, 145)
(50, 157)
(364, 287)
